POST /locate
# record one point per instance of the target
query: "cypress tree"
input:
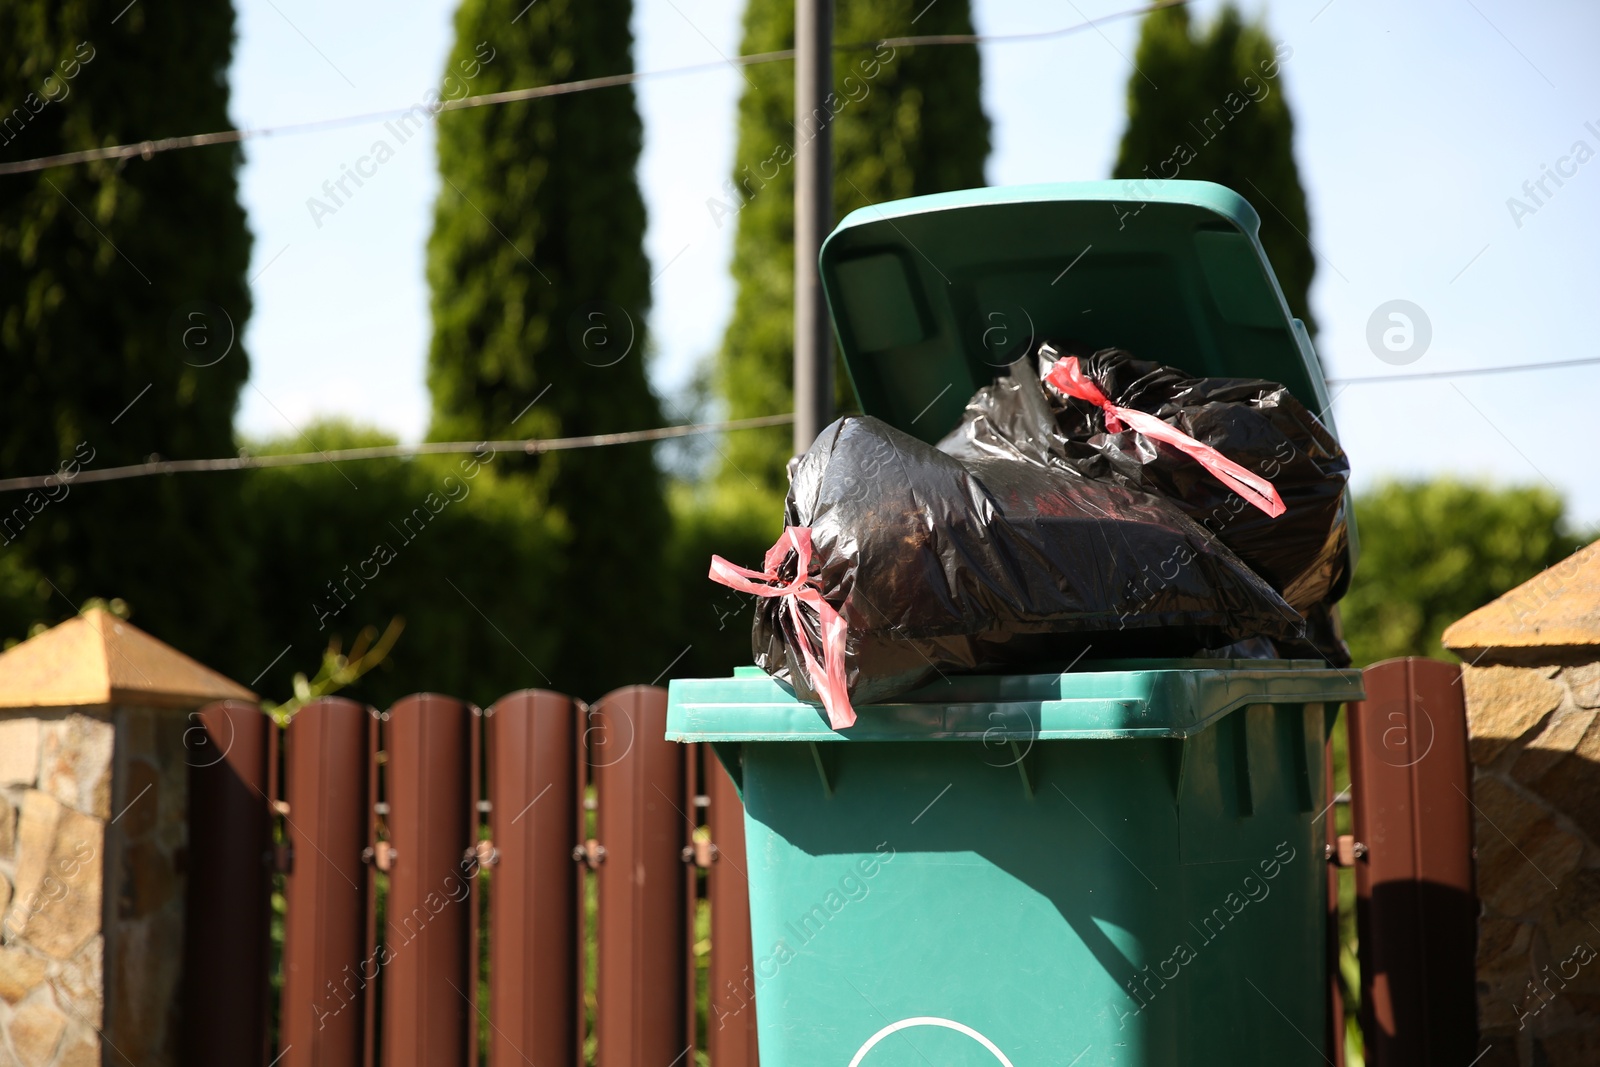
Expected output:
(1209, 105)
(909, 121)
(124, 301)
(540, 293)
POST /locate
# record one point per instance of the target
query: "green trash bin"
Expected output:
(1123, 863)
(1120, 864)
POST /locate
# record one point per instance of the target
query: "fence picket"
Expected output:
(1415, 905)
(1334, 1037)
(327, 826)
(640, 779)
(428, 985)
(225, 943)
(731, 1014)
(533, 902)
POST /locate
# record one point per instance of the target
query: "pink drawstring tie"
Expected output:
(826, 671)
(1068, 377)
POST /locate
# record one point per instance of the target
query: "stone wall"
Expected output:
(55, 801)
(1535, 748)
(92, 831)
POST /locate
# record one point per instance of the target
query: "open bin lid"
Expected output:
(933, 295)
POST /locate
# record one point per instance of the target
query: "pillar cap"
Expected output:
(1557, 608)
(97, 659)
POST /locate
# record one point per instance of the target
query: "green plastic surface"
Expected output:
(932, 295)
(1174, 700)
(1120, 865)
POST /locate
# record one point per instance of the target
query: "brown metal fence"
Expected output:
(435, 869)
(437, 866)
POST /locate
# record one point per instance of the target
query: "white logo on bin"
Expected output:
(930, 1020)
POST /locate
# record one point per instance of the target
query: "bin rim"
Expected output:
(1177, 699)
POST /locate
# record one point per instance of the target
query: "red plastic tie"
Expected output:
(1068, 377)
(827, 669)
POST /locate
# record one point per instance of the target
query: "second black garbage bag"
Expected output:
(1258, 425)
(900, 562)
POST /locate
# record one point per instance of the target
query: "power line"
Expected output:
(148, 149)
(528, 446)
(536, 446)
(1465, 373)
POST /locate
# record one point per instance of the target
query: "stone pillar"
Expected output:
(93, 833)
(1532, 678)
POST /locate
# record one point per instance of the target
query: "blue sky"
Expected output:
(1416, 123)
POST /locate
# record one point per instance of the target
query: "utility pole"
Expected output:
(813, 217)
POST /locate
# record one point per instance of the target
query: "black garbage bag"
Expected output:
(901, 562)
(1259, 425)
